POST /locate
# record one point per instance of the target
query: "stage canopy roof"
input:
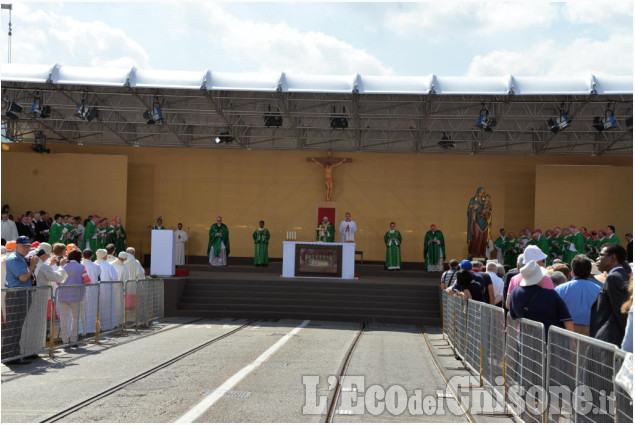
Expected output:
(317, 112)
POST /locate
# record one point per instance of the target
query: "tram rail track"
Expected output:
(338, 388)
(96, 397)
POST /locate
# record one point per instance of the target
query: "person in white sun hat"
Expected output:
(531, 253)
(531, 300)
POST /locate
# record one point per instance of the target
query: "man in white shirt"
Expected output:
(181, 238)
(92, 293)
(497, 283)
(348, 228)
(9, 229)
(110, 250)
(110, 294)
(134, 266)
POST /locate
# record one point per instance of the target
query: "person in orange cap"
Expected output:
(70, 247)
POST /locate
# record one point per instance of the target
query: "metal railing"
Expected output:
(41, 318)
(24, 321)
(567, 378)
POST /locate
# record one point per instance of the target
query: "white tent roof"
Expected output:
(304, 83)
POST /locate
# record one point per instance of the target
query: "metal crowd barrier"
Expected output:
(38, 318)
(525, 369)
(143, 301)
(569, 379)
(24, 321)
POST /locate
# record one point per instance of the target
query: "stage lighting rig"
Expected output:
(606, 123)
(85, 113)
(39, 145)
(224, 137)
(11, 109)
(154, 115)
(559, 123)
(484, 121)
(339, 121)
(273, 120)
(38, 109)
(445, 143)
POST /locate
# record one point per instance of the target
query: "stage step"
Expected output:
(404, 301)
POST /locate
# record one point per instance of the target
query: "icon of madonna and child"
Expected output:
(479, 223)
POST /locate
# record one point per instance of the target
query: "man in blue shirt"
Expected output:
(531, 301)
(580, 293)
(17, 303)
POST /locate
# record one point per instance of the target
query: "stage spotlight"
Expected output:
(273, 120)
(339, 121)
(445, 143)
(39, 146)
(224, 137)
(85, 113)
(12, 109)
(485, 122)
(38, 110)
(154, 116)
(606, 123)
(559, 123)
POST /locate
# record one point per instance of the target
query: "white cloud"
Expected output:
(446, 19)
(609, 13)
(279, 47)
(581, 57)
(45, 37)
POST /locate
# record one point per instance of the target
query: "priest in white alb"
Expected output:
(348, 228)
(181, 238)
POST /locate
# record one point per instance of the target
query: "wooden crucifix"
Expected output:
(329, 163)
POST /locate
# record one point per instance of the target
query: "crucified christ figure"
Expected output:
(328, 174)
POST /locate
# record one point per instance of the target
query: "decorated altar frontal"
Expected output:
(318, 259)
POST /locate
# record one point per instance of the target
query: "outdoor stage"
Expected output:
(409, 296)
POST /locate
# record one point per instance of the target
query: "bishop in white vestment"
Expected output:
(348, 228)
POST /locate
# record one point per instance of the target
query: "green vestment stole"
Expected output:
(215, 241)
(261, 248)
(433, 251)
(393, 249)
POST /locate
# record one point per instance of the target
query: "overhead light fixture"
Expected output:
(485, 122)
(445, 143)
(38, 109)
(606, 123)
(559, 123)
(12, 109)
(273, 120)
(39, 145)
(339, 121)
(154, 115)
(224, 137)
(86, 113)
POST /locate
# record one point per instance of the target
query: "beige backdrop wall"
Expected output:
(195, 185)
(66, 183)
(591, 196)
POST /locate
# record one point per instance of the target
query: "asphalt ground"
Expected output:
(268, 371)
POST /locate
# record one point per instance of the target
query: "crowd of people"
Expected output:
(592, 298)
(58, 253)
(558, 243)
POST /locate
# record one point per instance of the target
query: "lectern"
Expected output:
(163, 253)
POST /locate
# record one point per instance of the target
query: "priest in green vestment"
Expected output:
(543, 244)
(611, 236)
(433, 250)
(325, 231)
(574, 246)
(261, 245)
(392, 239)
(218, 245)
(500, 244)
(55, 234)
(90, 235)
(159, 225)
(557, 243)
(511, 251)
(120, 235)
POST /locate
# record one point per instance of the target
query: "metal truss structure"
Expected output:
(372, 114)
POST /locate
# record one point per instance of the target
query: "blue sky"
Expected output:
(449, 38)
